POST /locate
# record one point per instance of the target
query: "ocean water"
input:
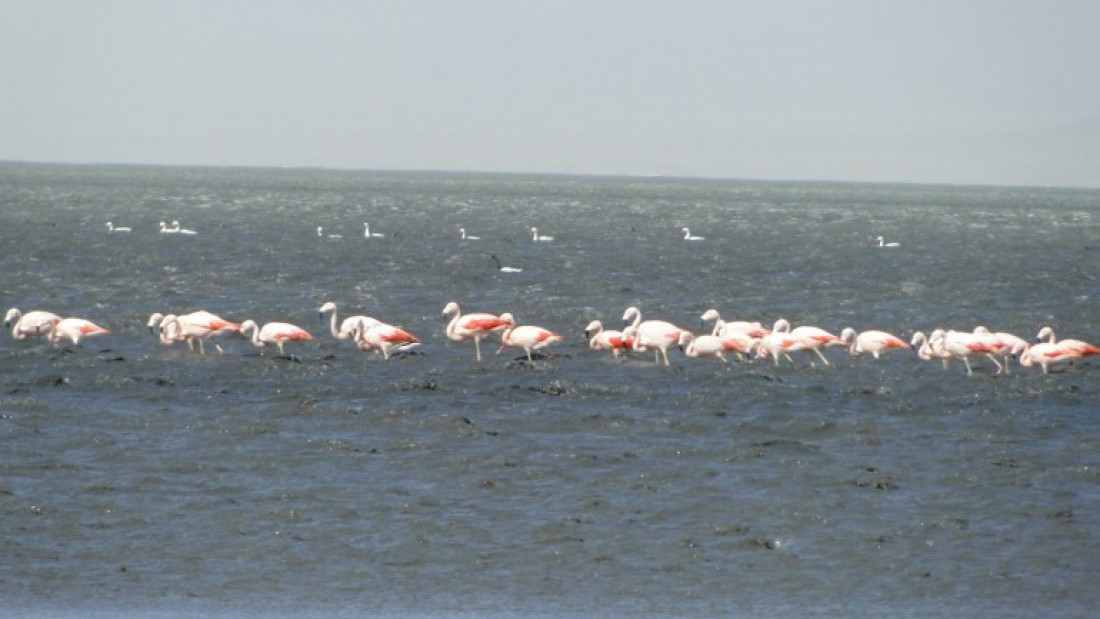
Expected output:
(146, 480)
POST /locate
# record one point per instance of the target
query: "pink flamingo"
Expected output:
(960, 345)
(75, 329)
(606, 339)
(813, 338)
(722, 327)
(698, 346)
(1046, 354)
(1006, 344)
(382, 337)
(873, 342)
(277, 333)
(1083, 347)
(527, 337)
(472, 326)
(659, 334)
(196, 327)
(348, 325)
(37, 323)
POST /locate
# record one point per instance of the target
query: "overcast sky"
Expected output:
(948, 91)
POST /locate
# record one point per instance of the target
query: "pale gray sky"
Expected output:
(952, 91)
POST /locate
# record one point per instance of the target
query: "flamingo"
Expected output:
(873, 341)
(277, 333)
(960, 345)
(349, 323)
(1048, 334)
(688, 236)
(535, 236)
(370, 235)
(383, 337)
(606, 339)
(467, 237)
(779, 342)
(504, 269)
(659, 334)
(527, 337)
(723, 328)
(1007, 343)
(814, 338)
(472, 326)
(112, 228)
(321, 233)
(75, 329)
(882, 242)
(925, 350)
(1046, 354)
(37, 323)
(696, 346)
(196, 326)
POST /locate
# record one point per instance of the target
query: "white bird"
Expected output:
(882, 242)
(535, 236)
(504, 269)
(321, 233)
(277, 333)
(467, 237)
(659, 334)
(527, 337)
(177, 230)
(37, 323)
(688, 236)
(112, 228)
(348, 325)
(164, 229)
(368, 234)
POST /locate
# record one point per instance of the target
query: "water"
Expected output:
(146, 480)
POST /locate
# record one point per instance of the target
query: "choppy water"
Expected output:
(143, 479)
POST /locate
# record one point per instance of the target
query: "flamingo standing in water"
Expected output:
(1046, 354)
(382, 337)
(472, 326)
(194, 327)
(1047, 333)
(75, 329)
(1006, 346)
(699, 346)
(873, 342)
(961, 345)
(348, 325)
(541, 238)
(659, 334)
(813, 338)
(606, 339)
(723, 328)
(527, 337)
(688, 236)
(37, 323)
(112, 228)
(277, 333)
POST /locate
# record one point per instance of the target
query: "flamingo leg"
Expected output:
(821, 356)
(202, 350)
(966, 362)
(477, 347)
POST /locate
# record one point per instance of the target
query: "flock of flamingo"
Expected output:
(741, 338)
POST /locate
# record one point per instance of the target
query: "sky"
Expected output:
(1000, 92)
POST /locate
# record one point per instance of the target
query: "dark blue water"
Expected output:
(147, 480)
